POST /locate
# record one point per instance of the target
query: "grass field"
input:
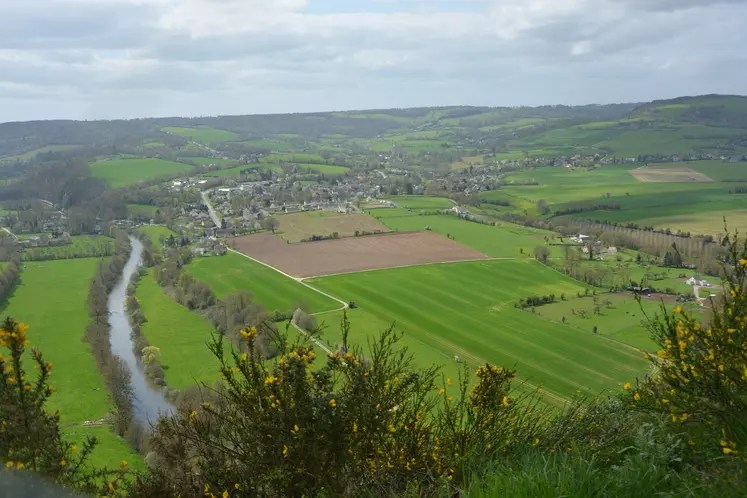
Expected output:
(181, 335)
(273, 145)
(204, 134)
(154, 232)
(504, 241)
(233, 272)
(33, 153)
(237, 170)
(706, 223)
(123, 172)
(466, 309)
(151, 210)
(325, 168)
(622, 319)
(57, 329)
(82, 246)
(299, 158)
(421, 202)
(207, 161)
(299, 226)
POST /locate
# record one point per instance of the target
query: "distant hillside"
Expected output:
(708, 110)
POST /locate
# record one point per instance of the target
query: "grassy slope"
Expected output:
(123, 172)
(467, 309)
(205, 134)
(233, 272)
(180, 333)
(57, 329)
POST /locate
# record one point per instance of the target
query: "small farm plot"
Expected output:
(467, 310)
(123, 172)
(234, 272)
(353, 254)
(299, 227)
(669, 175)
(180, 334)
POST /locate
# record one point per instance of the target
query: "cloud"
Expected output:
(131, 58)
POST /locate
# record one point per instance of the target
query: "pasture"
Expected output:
(297, 158)
(181, 334)
(300, 226)
(155, 232)
(208, 161)
(234, 272)
(620, 317)
(57, 328)
(26, 156)
(705, 223)
(670, 175)
(129, 171)
(421, 202)
(503, 241)
(204, 134)
(81, 246)
(353, 254)
(324, 168)
(467, 309)
(243, 169)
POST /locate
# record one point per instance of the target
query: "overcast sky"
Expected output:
(90, 59)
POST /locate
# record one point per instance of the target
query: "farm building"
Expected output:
(697, 281)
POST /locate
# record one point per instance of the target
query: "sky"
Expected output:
(105, 59)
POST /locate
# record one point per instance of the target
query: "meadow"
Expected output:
(503, 241)
(154, 233)
(421, 202)
(234, 272)
(124, 172)
(145, 208)
(325, 168)
(204, 134)
(299, 158)
(81, 246)
(237, 170)
(208, 161)
(33, 153)
(299, 226)
(182, 336)
(621, 316)
(467, 309)
(57, 328)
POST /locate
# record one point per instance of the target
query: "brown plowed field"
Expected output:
(329, 257)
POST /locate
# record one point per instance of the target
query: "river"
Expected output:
(148, 402)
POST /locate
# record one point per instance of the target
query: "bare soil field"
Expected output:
(300, 226)
(669, 175)
(372, 252)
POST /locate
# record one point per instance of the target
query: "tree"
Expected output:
(151, 355)
(271, 223)
(541, 254)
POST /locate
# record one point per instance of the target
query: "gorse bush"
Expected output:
(30, 437)
(702, 369)
(370, 424)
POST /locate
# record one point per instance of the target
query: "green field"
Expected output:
(503, 241)
(274, 145)
(124, 172)
(294, 158)
(154, 233)
(466, 309)
(622, 318)
(235, 171)
(204, 134)
(325, 168)
(207, 161)
(181, 335)
(151, 210)
(81, 246)
(57, 328)
(233, 272)
(421, 202)
(33, 153)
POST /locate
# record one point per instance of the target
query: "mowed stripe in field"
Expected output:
(451, 307)
(234, 272)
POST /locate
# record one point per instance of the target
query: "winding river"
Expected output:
(147, 402)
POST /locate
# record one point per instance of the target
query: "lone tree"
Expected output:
(271, 224)
(541, 254)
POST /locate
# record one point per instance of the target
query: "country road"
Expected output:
(211, 210)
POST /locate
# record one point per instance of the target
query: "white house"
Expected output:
(580, 238)
(697, 281)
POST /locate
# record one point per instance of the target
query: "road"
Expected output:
(383, 175)
(211, 210)
(11, 233)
